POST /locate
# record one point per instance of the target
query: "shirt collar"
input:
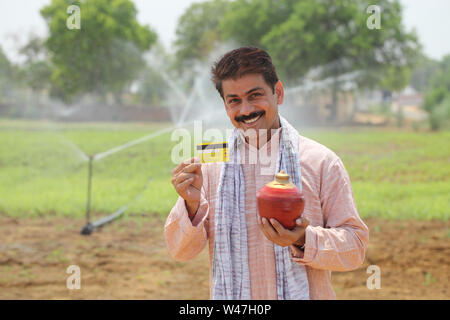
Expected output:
(275, 135)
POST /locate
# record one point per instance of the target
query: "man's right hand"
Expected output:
(187, 179)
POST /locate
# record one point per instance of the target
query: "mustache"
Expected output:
(250, 116)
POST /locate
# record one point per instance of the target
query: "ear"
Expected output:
(279, 92)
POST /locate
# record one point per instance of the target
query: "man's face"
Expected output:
(250, 102)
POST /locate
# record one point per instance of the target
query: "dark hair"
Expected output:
(242, 61)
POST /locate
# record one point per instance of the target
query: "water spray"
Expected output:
(107, 153)
(188, 100)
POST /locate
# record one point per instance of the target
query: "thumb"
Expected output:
(302, 222)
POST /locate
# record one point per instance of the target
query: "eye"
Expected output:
(233, 101)
(256, 94)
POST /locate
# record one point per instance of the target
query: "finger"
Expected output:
(193, 167)
(302, 222)
(278, 226)
(269, 228)
(183, 164)
(183, 176)
(178, 168)
(182, 186)
(197, 160)
(258, 220)
(260, 224)
(286, 236)
(263, 228)
(191, 160)
(189, 167)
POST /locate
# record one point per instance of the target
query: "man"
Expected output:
(250, 257)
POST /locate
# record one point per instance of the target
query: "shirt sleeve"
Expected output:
(185, 239)
(341, 244)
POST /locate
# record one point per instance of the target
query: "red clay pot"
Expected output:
(281, 200)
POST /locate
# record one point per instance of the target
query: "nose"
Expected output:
(246, 108)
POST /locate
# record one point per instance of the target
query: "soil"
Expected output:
(128, 259)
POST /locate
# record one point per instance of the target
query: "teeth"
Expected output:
(252, 120)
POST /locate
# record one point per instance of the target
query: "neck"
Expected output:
(263, 136)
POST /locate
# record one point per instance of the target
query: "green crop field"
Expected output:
(395, 174)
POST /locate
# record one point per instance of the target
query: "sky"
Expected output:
(19, 18)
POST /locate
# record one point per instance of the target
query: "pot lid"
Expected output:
(282, 181)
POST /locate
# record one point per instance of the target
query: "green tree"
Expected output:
(395, 78)
(249, 21)
(104, 55)
(198, 31)
(5, 73)
(437, 97)
(301, 35)
(152, 88)
(152, 83)
(329, 36)
(422, 72)
(36, 71)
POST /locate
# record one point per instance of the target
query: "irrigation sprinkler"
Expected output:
(88, 228)
(91, 227)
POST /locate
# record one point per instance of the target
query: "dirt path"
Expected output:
(129, 260)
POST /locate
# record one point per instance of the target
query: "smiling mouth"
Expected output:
(251, 118)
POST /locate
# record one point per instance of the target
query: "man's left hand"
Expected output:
(275, 232)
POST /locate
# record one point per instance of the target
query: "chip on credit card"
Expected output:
(213, 152)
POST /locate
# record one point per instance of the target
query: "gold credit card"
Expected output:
(213, 152)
